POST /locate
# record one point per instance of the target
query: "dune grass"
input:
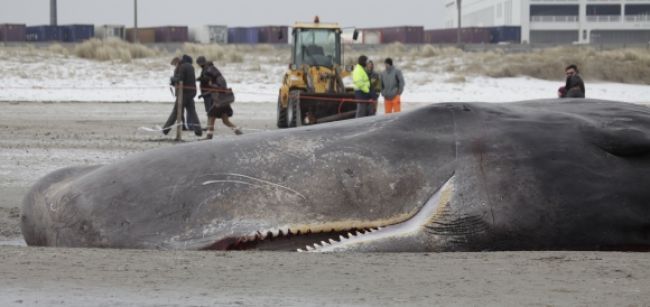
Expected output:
(618, 65)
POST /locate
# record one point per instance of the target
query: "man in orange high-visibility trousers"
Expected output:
(392, 84)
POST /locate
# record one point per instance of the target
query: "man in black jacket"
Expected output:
(575, 87)
(213, 87)
(186, 74)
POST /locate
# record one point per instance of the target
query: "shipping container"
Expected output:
(273, 35)
(372, 37)
(471, 35)
(403, 34)
(43, 33)
(348, 38)
(243, 35)
(77, 33)
(506, 34)
(172, 34)
(145, 35)
(108, 31)
(209, 34)
(12, 32)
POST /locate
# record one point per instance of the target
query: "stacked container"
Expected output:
(209, 34)
(145, 35)
(77, 33)
(273, 35)
(372, 37)
(12, 32)
(172, 34)
(108, 31)
(43, 33)
(450, 36)
(404, 34)
(506, 34)
(243, 35)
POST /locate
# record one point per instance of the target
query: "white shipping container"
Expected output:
(107, 31)
(209, 34)
(348, 38)
(372, 37)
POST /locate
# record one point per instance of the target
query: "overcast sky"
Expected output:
(360, 13)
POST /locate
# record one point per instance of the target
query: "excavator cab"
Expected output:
(312, 90)
(317, 47)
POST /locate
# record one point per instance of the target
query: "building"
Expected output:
(560, 21)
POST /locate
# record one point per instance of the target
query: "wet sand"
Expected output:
(83, 277)
(37, 138)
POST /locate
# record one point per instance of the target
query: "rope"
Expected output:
(209, 90)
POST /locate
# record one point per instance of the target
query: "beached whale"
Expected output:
(536, 175)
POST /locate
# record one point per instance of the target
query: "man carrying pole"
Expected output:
(187, 76)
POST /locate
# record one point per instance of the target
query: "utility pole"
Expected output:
(135, 21)
(53, 13)
(458, 37)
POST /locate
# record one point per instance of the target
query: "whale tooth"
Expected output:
(350, 235)
(309, 248)
(316, 246)
(323, 243)
(275, 233)
(332, 241)
(341, 238)
(300, 250)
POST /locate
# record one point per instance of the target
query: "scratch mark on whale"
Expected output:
(265, 183)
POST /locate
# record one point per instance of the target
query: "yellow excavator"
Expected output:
(312, 90)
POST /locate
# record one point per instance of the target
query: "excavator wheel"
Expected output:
(282, 115)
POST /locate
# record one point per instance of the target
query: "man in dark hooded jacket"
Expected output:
(186, 74)
(213, 85)
(574, 87)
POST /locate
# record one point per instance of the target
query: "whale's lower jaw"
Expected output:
(341, 236)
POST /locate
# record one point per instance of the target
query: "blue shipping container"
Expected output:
(506, 34)
(43, 33)
(273, 35)
(77, 33)
(243, 35)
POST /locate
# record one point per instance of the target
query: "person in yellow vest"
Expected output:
(362, 88)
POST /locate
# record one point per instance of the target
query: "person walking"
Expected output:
(214, 91)
(176, 62)
(392, 87)
(362, 87)
(575, 86)
(187, 75)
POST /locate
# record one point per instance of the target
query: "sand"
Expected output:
(84, 277)
(36, 138)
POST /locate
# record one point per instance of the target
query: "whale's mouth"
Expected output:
(290, 240)
(339, 237)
